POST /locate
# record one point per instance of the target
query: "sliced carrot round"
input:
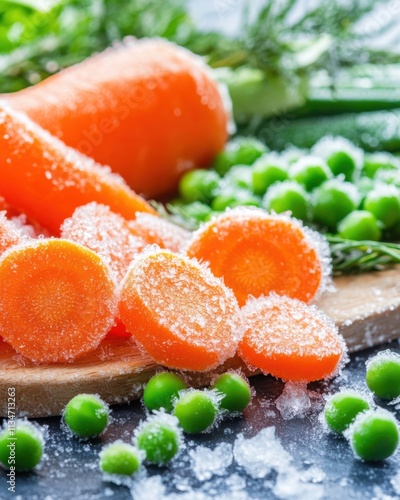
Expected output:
(96, 227)
(160, 231)
(182, 315)
(58, 300)
(288, 339)
(257, 253)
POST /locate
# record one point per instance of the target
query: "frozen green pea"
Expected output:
(342, 408)
(383, 374)
(310, 172)
(235, 390)
(21, 446)
(161, 390)
(360, 225)
(239, 176)
(86, 415)
(288, 196)
(384, 203)
(198, 185)
(120, 458)
(239, 151)
(268, 170)
(196, 410)
(379, 161)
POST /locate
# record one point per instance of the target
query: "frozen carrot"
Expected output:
(288, 339)
(96, 227)
(160, 231)
(10, 234)
(47, 180)
(181, 315)
(257, 253)
(58, 300)
(150, 109)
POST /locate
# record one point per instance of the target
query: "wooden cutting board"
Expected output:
(365, 307)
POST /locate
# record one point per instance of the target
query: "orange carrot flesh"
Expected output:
(256, 253)
(96, 227)
(149, 109)
(290, 340)
(10, 234)
(181, 315)
(159, 231)
(58, 300)
(47, 180)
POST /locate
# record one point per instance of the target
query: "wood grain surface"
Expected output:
(365, 307)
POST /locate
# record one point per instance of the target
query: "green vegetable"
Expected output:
(342, 408)
(120, 458)
(235, 389)
(239, 151)
(383, 375)
(374, 436)
(310, 172)
(288, 196)
(266, 171)
(332, 201)
(21, 447)
(360, 225)
(86, 415)
(159, 437)
(161, 390)
(196, 410)
(379, 161)
(231, 197)
(384, 203)
(198, 185)
(238, 177)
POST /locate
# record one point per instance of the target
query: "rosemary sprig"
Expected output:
(349, 256)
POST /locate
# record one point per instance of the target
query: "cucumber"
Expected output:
(377, 130)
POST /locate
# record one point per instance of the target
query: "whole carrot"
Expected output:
(149, 109)
(47, 180)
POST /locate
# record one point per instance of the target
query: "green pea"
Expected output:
(235, 390)
(288, 196)
(21, 446)
(267, 171)
(120, 458)
(159, 437)
(375, 162)
(342, 408)
(230, 197)
(239, 151)
(332, 201)
(196, 410)
(86, 415)
(239, 176)
(195, 211)
(374, 435)
(364, 186)
(360, 225)
(384, 203)
(390, 177)
(383, 375)
(161, 390)
(198, 185)
(310, 172)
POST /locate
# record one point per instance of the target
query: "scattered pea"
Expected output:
(120, 458)
(21, 447)
(235, 390)
(86, 415)
(360, 225)
(196, 410)
(240, 151)
(374, 435)
(239, 177)
(267, 171)
(383, 375)
(384, 203)
(198, 185)
(161, 390)
(342, 408)
(375, 162)
(310, 172)
(288, 196)
(159, 437)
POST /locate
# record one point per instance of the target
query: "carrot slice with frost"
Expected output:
(181, 315)
(160, 231)
(288, 339)
(96, 227)
(257, 253)
(58, 300)
(47, 180)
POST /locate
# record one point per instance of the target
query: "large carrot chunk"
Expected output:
(288, 339)
(257, 253)
(47, 180)
(182, 315)
(149, 109)
(58, 300)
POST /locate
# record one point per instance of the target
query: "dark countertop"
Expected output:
(70, 470)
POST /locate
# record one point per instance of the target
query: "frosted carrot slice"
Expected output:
(96, 227)
(288, 339)
(160, 231)
(58, 300)
(10, 234)
(257, 253)
(47, 180)
(149, 109)
(182, 315)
